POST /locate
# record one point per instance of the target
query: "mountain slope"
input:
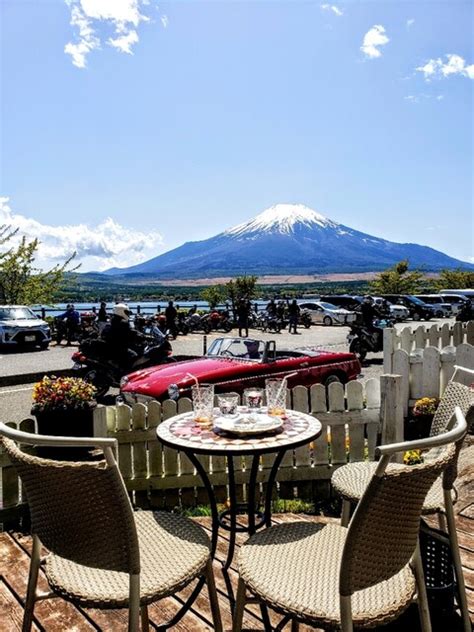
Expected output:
(288, 239)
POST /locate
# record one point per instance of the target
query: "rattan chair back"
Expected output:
(455, 394)
(383, 532)
(80, 511)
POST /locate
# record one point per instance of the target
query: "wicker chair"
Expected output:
(102, 553)
(367, 574)
(351, 480)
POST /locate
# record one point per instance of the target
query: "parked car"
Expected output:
(455, 300)
(20, 327)
(397, 312)
(442, 308)
(323, 313)
(233, 364)
(418, 309)
(345, 301)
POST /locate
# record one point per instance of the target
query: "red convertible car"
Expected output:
(233, 364)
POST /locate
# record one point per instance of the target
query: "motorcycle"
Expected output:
(305, 319)
(363, 340)
(267, 322)
(94, 363)
(218, 320)
(195, 322)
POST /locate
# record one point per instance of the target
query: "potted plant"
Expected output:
(422, 417)
(64, 406)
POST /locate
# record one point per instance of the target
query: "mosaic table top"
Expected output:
(182, 433)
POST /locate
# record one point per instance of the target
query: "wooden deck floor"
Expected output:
(59, 616)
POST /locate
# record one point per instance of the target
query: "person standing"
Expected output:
(171, 314)
(102, 316)
(72, 321)
(293, 314)
(243, 309)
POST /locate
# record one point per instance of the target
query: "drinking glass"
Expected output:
(253, 398)
(275, 391)
(228, 403)
(203, 404)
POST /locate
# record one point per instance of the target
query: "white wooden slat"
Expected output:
(155, 448)
(445, 335)
(124, 418)
(458, 334)
(431, 372)
(355, 395)
(170, 456)
(416, 374)
(420, 337)
(448, 360)
(434, 337)
(406, 339)
(318, 398)
(389, 338)
(372, 393)
(338, 433)
(401, 366)
(139, 415)
(470, 332)
(302, 455)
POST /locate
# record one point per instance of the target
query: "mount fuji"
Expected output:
(287, 239)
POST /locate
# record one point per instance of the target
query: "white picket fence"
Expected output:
(423, 336)
(351, 422)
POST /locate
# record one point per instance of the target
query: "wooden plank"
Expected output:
(51, 614)
(11, 611)
(445, 335)
(391, 409)
(448, 360)
(420, 337)
(124, 416)
(401, 366)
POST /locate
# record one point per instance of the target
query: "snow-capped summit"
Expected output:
(286, 239)
(282, 218)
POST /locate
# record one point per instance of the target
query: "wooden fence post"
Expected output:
(416, 374)
(391, 410)
(100, 421)
(388, 348)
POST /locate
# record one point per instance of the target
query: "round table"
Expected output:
(182, 433)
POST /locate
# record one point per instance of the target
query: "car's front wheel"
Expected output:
(327, 321)
(416, 316)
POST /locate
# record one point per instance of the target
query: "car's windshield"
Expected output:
(328, 306)
(240, 348)
(16, 313)
(416, 300)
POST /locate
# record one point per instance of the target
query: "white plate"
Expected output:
(248, 423)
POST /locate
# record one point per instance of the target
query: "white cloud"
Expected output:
(165, 21)
(410, 22)
(417, 98)
(332, 7)
(453, 65)
(373, 39)
(98, 247)
(91, 18)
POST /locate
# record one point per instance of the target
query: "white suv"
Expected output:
(19, 326)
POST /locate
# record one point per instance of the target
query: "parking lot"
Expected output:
(15, 393)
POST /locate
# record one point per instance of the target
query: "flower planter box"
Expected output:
(72, 422)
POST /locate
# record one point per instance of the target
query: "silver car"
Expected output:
(323, 313)
(20, 327)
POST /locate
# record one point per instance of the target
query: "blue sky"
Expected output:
(164, 123)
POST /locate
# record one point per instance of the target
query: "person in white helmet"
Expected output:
(121, 337)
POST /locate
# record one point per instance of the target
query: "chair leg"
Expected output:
(442, 522)
(32, 581)
(134, 604)
(423, 608)
(346, 513)
(239, 607)
(144, 618)
(453, 539)
(346, 613)
(211, 587)
(295, 626)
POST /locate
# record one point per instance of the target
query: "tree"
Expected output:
(20, 281)
(214, 295)
(241, 288)
(455, 279)
(397, 280)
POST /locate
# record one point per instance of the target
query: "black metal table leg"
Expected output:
(251, 494)
(271, 481)
(212, 499)
(232, 512)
